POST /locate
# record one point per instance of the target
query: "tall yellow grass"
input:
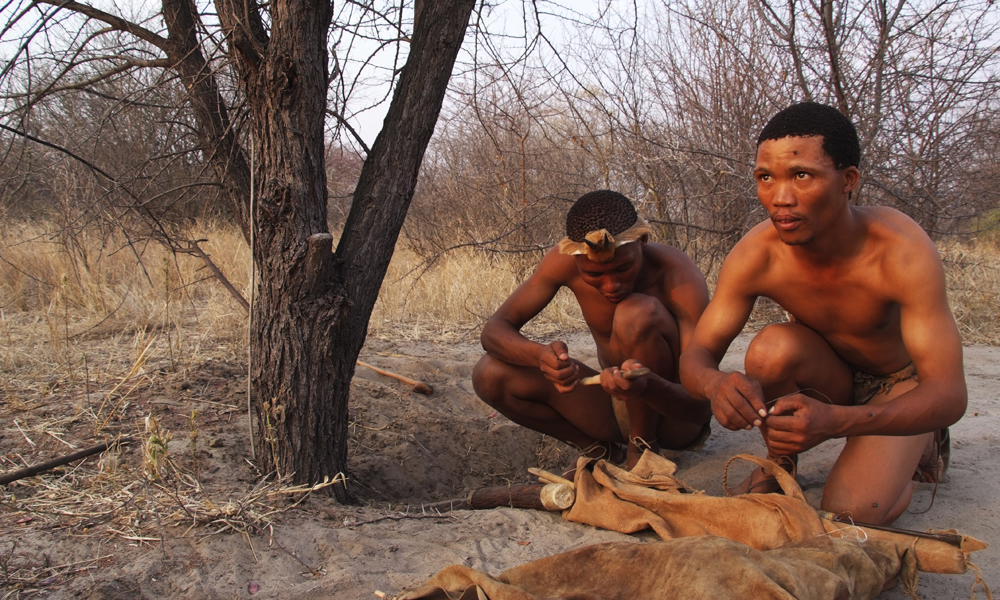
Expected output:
(452, 297)
(57, 290)
(972, 272)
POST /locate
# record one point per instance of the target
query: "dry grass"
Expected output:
(453, 297)
(972, 270)
(57, 291)
(136, 505)
(86, 332)
(92, 338)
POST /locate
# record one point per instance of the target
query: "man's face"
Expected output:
(616, 278)
(800, 187)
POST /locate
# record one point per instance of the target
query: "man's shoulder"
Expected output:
(670, 261)
(756, 246)
(900, 246)
(892, 232)
(889, 221)
(556, 267)
(665, 253)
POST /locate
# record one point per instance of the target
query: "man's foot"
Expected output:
(610, 451)
(934, 463)
(636, 447)
(760, 482)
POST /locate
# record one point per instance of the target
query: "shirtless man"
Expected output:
(872, 352)
(641, 301)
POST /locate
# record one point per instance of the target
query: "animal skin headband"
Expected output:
(599, 245)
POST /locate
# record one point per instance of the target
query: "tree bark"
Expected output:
(311, 315)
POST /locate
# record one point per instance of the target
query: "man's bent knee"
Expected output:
(774, 352)
(488, 378)
(638, 316)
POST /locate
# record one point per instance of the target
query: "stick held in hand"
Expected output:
(629, 374)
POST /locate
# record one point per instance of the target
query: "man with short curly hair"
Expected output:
(641, 301)
(871, 353)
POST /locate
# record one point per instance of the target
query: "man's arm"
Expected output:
(736, 399)
(688, 298)
(931, 338)
(502, 338)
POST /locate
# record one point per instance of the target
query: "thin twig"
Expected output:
(16, 424)
(398, 518)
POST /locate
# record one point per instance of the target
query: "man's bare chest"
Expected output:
(847, 308)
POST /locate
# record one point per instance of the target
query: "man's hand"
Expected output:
(621, 388)
(558, 368)
(796, 423)
(737, 401)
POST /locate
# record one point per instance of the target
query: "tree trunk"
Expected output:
(311, 315)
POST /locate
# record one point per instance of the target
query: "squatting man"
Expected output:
(871, 353)
(641, 301)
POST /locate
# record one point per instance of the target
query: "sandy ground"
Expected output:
(408, 450)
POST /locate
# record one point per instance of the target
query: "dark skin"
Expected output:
(866, 288)
(641, 308)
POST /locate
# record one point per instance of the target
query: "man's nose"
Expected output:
(611, 284)
(783, 195)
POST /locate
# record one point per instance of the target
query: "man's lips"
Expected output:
(785, 222)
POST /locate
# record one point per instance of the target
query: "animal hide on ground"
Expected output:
(692, 568)
(756, 546)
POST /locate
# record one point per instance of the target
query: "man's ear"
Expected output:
(851, 178)
(643, 239)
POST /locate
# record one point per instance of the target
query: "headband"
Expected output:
(599, 245)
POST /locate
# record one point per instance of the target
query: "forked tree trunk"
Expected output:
(311, 314)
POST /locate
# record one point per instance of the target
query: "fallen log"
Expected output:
(537, 496)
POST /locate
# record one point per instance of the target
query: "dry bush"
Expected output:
(58, 307)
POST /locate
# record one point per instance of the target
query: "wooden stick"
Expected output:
(547, 477)
(630, 375)
(418, 386)
(58, 462)
(195, 249)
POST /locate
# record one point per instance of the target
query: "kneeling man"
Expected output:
(641, 301)
(872, 352)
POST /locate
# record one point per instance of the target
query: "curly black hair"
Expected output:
(840, 138)
(603, 209)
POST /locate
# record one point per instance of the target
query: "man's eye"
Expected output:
(801, 175)
(764, 177)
